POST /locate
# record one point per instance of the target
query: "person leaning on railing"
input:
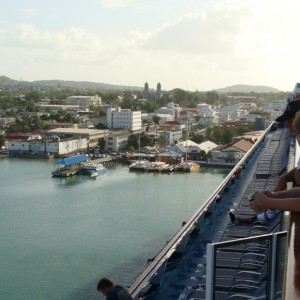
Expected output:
(288, 200)
(291, 120)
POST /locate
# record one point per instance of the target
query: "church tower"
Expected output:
(158, 92)
(146, 91)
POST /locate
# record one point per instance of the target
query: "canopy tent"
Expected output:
(72, 160)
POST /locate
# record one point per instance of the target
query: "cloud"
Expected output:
(28, 12)
(114, 3)
(200, 33)
(204, 49)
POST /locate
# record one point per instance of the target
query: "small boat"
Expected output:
(92, 169)
(187, 166)
(158, 166)
(140, 165)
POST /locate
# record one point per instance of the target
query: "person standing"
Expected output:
(288, 118)
(112, 291)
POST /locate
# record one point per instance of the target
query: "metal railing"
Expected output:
(272, 238)
(155, 270)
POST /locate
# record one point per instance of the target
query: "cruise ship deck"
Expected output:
(211, 258)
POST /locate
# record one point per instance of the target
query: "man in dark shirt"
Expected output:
(111, 291)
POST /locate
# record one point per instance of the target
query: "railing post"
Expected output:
(210, 272)
(273, 266)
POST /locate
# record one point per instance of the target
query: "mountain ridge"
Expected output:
(56, 83)
(245, 88)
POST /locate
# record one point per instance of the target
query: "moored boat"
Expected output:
(187, 166)
(141, 165)
(92, 169)
(159, 166)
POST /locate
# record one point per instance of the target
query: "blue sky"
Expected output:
(189, 44)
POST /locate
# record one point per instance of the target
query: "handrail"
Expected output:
(167, 251)
(211, 259)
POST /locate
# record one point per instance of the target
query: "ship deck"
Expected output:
(179, 270)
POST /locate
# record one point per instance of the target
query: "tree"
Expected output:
(197, 138)
(33, 96)
(179, 96)
(156, 119)
(101, 143)
(101, 126)
(133, 141)
(2, 140)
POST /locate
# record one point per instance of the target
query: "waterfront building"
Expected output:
(92, 135)
(231, 153)
(116, 141)
(207, 146)
(168, 137)
(124, 118)
(46, 147)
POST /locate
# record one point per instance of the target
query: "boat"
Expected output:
(140, 165)
(92, 169)
(69, 166)
(187, 166)
(159, 166)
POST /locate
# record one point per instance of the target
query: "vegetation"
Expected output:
(28, 123)
(133, 141)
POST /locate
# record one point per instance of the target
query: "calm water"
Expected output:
(59, 236)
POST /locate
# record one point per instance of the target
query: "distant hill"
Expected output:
(244, 88)
(69, 84)
(87, 85)
(4, 80)
(83, 85)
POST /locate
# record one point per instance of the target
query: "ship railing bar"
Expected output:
(221, 187)
(211, 260)
(167, 251)
(272, 269)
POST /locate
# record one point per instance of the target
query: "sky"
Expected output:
(188, 44)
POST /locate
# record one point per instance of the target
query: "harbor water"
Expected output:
(60, 235)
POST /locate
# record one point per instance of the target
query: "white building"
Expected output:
(208, 146)
(124, 118)
(163, 118)
(84, 101)
(230, 113)
(202, 108)
(207, 115)
(171, 109)
(116, 142)
(278, 106)
(45, 147)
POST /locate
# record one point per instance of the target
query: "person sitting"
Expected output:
(111, 291)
